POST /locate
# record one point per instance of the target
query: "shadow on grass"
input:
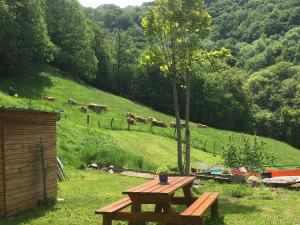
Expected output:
(28, 84)
(228, 207)
(28, 215)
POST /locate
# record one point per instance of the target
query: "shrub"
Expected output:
(248, 153)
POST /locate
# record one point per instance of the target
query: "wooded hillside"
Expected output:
(256, 89)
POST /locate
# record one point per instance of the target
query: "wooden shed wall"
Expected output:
(23, 173)
(1, 171)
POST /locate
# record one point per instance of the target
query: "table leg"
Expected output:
(135, 207)
(158, 208)
(107, 220)
(167, 208)
(188, 194)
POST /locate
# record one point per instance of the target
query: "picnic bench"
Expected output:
(162, 196)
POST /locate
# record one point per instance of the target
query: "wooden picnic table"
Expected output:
(162, 196)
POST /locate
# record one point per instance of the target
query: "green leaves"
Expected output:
(249, 153)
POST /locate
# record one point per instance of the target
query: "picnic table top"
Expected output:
(154, 187)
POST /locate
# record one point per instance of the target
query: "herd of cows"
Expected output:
(130, 117)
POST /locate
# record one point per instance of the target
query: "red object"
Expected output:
(234, 172)
(282, 173)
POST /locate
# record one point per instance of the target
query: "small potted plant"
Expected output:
(162, 172)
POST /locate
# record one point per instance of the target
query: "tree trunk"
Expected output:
(177, 116)
(187, 126)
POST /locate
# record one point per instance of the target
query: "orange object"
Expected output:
(281, 173)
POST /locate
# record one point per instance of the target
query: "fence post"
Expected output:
(88, 119)
(205, 145)
(214, 149)
(111, 123)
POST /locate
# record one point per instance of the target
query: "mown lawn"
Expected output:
(88, 190)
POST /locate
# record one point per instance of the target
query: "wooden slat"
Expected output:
(118, 205)
(178, 185)
(28, 146)
(206, 204)
(189, 211)
(29, 132)
(28, 149)
(160, 188)
(18, 137)
(142, 186)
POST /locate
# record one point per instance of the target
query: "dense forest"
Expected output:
(254, 89)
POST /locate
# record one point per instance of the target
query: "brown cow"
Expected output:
(72, 101)
(130, 115)
(202, 125)
(93, 106)
(103, 108)
(150, 119)
(140, 119)
(83, 109)
(131, 121)
(49, 98)
(173, 125)
(158, 123)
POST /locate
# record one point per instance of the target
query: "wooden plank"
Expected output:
(25, 164)
(206, 204)
(28, 146)
(29, 174)
(182, 183)
(29, 158)
(189, 211)
(147, 186)
(157, 185)
(29, 132)
(51, 187)
(24, 151)
(32, 115)
(29, 140)
(160, 188)
(28, 135)
(118, 205)
(133, 189)
(29, 128)
(29, 178)
(26, 184)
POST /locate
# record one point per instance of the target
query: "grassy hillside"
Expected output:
(141, 147)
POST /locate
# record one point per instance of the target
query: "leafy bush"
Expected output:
(247, 153)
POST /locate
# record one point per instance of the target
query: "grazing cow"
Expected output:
(97, 107)
(158, 123)
(130, 115)
(173, 125)
(103, 108)
(140, 119)
(150, 119)
(72, 101)
(83, 109)
(93, 106)
(12, 92)
(131, 121)
(49, 98)
(202, 125)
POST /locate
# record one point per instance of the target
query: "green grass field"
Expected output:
(86, 191)
(141, 147)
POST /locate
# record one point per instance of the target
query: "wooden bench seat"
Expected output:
(114, 207)
(192, 215)
(202, 204)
